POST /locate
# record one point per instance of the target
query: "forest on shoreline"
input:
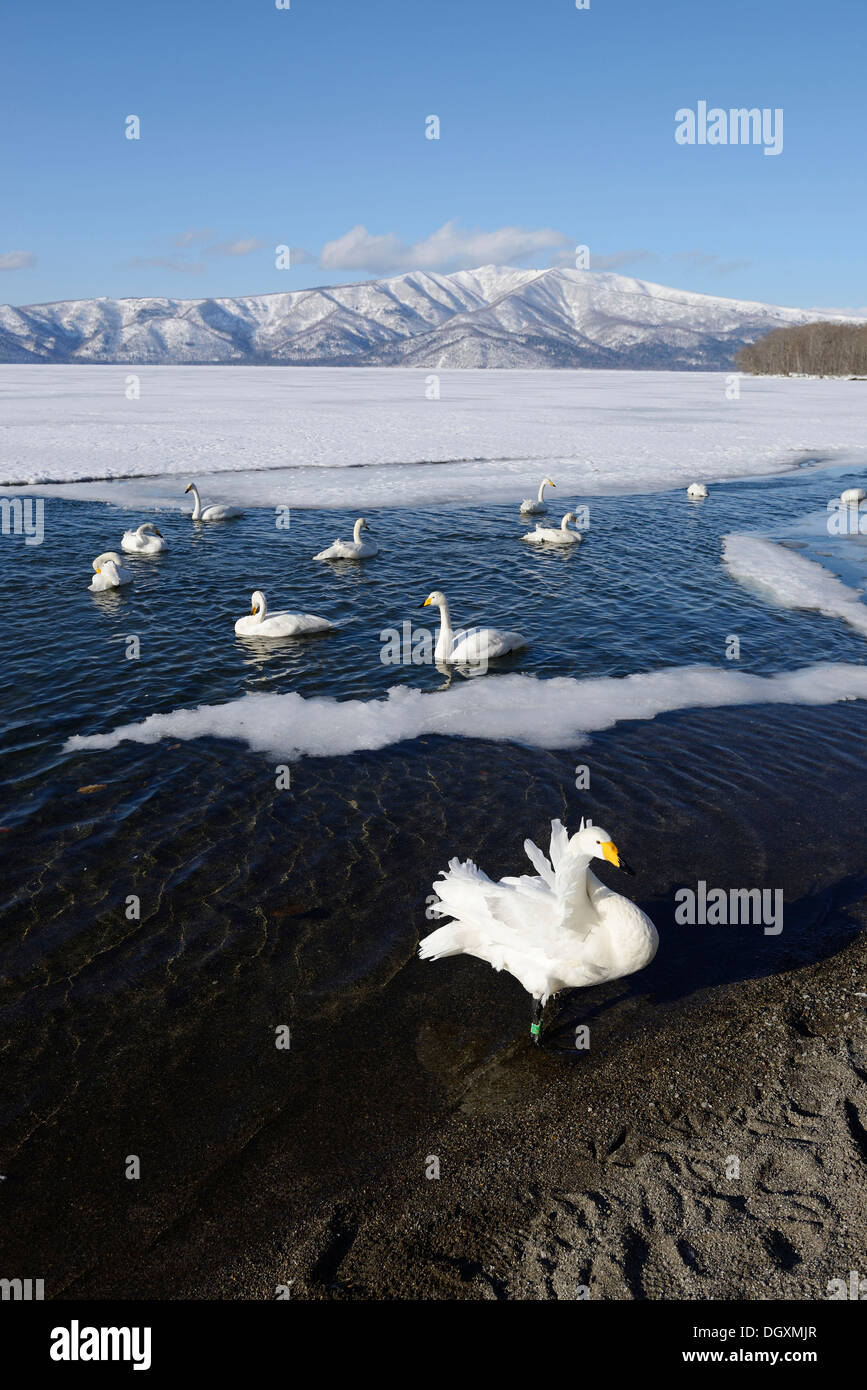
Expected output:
(809, 349)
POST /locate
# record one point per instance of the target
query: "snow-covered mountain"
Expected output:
(491, 317)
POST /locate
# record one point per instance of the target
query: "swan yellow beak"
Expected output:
(551, 483)
(426, 603)
(612, 854)
(99, 571)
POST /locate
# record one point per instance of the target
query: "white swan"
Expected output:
(466, 648)
(217, 512)
(529, 507)
(853, 494)
(555, 535)
(259, 623)
(109, 573)
(558, 929)
(696, 491)
(356, 549)
(147, 540)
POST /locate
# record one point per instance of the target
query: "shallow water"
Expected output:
(303, 906)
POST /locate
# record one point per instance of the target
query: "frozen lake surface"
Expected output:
(345, 437)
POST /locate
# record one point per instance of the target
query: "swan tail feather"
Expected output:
(498, 949)
(445, 941)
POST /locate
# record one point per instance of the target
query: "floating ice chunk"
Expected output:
(558, 713)
(791, 580)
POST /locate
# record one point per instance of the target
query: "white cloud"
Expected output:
(616, 260)
(452, 247)
(182, 264)
(192, 235)
(173, 263)
(842, 313)
(709, 260)
(17, 260)
(239, 246)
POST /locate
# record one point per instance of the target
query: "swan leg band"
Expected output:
(535, 1029)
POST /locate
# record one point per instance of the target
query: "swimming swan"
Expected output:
(259, 623)
(109, 573)
(555, 535)
(558, 929)
(481, 644)
(529, 507)
(147, 540)
(356, 549)
(217, 512)
(696, 491)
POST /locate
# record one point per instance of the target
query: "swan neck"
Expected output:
(583, 863)
(197, 502)
(541, 493)
(444, 641)
(356, 534)
(263, 608)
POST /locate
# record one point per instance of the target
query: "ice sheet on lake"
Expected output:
(558, 713)
(367, 437)
(792, 580)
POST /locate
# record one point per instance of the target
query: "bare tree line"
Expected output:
(810, 349)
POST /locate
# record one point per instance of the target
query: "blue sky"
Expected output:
(263, 127)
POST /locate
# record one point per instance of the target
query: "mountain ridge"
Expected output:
(492, 316)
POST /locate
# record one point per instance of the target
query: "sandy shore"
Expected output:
(567, 1175)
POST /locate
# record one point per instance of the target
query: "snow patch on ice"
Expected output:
(349, 437)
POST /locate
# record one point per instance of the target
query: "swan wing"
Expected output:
(305, 622)
(338, 550)
(468, 894)
(221, 512)
(540, 863)
(498, 642)
(563, 878)
(496, 923)
(559, 845)
(484, 644)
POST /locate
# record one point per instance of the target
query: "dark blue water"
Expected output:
(646, 589)
(258, 906)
